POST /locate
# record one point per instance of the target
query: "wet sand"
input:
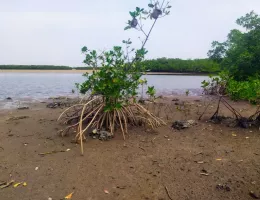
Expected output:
(185, 164)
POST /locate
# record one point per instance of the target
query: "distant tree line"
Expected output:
(182, 66)
(42, 67)
(157, 65)
(82, 68)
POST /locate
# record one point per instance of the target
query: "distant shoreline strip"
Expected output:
(90, 71)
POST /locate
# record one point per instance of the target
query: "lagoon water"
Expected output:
(37, 86)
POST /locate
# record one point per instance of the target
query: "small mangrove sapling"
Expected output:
(113, 87)
(142, 83)
(151, 92)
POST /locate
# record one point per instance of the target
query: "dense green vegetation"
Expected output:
(157, 65)
(38, 67)
(240, 53)
(239, 57)
(182, 66)
(245, 90)
(42, 67)
(83, 68)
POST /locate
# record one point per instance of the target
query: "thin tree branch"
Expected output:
(141, 29)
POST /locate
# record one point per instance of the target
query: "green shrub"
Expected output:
(113, 86)
(244, 90)
(216, 85)
(224, 84)
(151, 92)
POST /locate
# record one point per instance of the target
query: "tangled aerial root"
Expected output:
(238, 120)
(91, 114)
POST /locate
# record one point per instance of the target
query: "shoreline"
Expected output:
(90, 71)
(14, 104)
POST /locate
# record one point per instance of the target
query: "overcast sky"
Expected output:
(54, 31)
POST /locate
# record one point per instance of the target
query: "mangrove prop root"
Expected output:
(91, 114)
(241, 121)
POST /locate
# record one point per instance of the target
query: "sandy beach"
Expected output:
(206, 161)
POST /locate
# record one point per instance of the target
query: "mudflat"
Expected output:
(205, 162)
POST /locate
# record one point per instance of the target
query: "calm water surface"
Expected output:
(37, 86)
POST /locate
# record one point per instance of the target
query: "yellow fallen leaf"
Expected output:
(234, 135)
(24, 184)
(17, 184)
(218, 159)
(69, 196)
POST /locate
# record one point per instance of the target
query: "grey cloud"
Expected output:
(53, 32)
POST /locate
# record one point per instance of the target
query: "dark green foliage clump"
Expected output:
(42, 67)
(115, 80)
(240, 54)
(239, 57)
(35, 67)
(245, 90)
(237, 90)
(182, 66)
